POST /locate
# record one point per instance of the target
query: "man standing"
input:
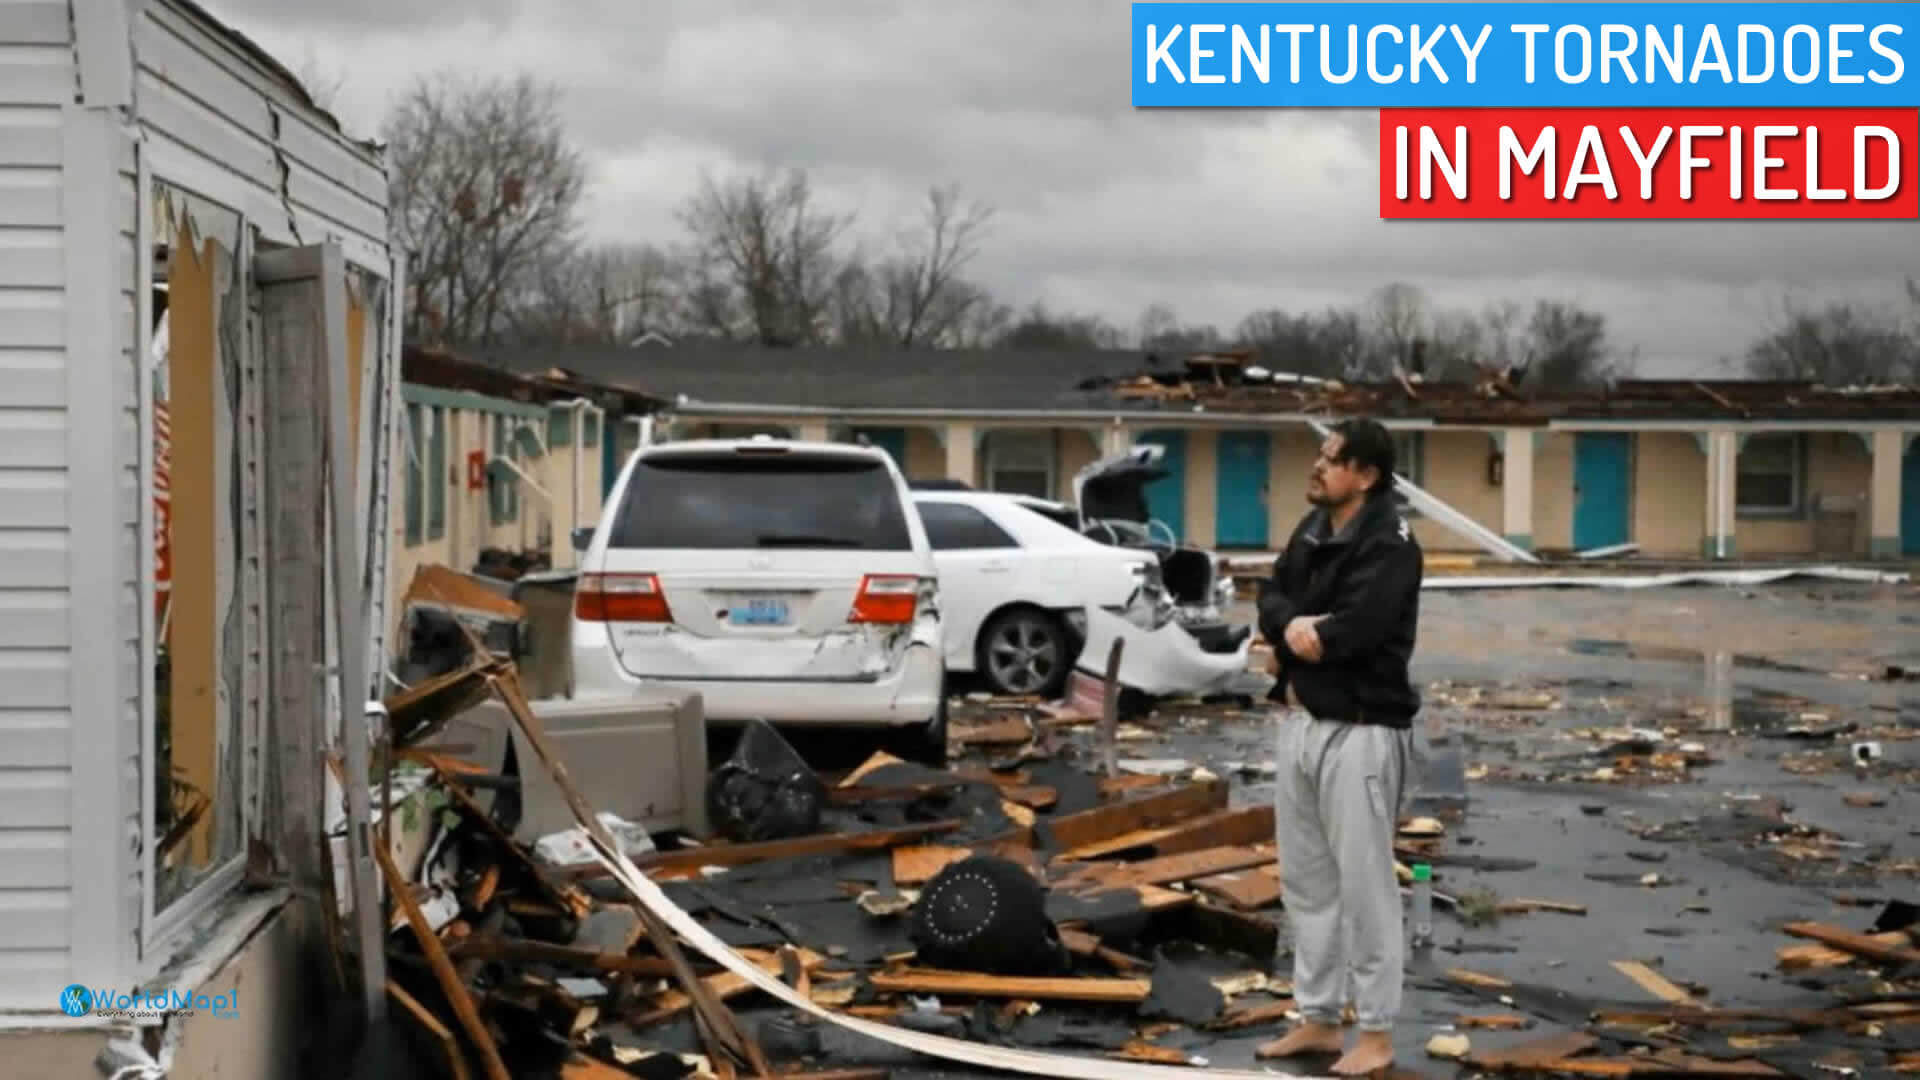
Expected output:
(1340, 612)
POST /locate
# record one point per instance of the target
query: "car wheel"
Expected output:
(1025, 651)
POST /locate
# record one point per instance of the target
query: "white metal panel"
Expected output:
(35, 74)
(98, 273)
(34, 798)
(28, 195)
(32, 379)
(33, 918)
(35, 22)
(33, 857)
(221, 126)
(30, 135)
(31, 259)
(29, 559)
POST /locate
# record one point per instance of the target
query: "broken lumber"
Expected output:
(1861, 945)
(1653, 982)
(970, 984)
(1157, 810)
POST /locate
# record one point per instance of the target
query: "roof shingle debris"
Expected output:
(1239, 382)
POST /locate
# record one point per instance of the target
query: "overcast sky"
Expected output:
(1100, 207)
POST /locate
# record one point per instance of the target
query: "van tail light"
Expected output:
(886, 598)
(620, 598)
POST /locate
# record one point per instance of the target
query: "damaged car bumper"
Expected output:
(910, 690)
(1161, 657)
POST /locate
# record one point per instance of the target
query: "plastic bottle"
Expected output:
(1422, 905)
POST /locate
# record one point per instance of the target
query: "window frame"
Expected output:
(1023, 450)
(415, 494)
(436, 473)
(1410, 458)
(1796, 472)
(1012, 542)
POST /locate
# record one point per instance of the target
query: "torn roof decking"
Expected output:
(706, 377)
(442, 370)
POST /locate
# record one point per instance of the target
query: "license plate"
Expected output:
(758, 611)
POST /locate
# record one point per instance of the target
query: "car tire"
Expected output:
(924, 743)
(1042, 653)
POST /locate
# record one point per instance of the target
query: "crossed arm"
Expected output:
(1366, 611)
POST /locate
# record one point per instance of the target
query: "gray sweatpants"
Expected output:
(1337, 795)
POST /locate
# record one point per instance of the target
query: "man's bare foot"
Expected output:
(1372, 1053)
(1308, 1038)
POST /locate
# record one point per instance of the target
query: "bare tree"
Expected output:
(605, 296)
(1567, 345)
(765, 264)
(917, 295)
(486, 189)
(1838, 345)
(1329, 344)
(1398, 317)
(1039, 328)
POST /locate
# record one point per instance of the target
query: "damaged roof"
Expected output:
(443, 370)
(267, 61)
(879, 379)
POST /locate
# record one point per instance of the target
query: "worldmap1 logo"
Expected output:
(76, 1000)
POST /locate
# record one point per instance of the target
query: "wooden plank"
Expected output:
(196, 379)
(1167, 869)
(737, 854)
(1248, 890)
(1807, 957)
(1857, 944)
(442, 965)
(723, 986)
(1251, 826)
(1653, 982)
(1547, 1053)
(917, 864)
(969, 984)
(1144, 812)
(449, 1048)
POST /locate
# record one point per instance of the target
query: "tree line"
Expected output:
(488, 190)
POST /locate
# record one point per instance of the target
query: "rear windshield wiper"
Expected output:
(805, 540)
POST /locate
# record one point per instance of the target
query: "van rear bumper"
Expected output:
(909, 694)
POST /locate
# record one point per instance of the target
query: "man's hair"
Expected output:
(1366, 442)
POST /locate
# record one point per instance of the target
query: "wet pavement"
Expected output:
(1767, 689)
(1583, 739)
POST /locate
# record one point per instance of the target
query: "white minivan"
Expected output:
(784, 580)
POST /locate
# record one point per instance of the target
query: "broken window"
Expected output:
(197, 371)
(1770, 474)
(956, 527)
(1021, 463)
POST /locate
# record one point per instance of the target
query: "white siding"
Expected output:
(217, 122)
(36, 78)
(220, 125)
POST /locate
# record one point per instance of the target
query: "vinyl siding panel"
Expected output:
(36, 733)
(226, 130)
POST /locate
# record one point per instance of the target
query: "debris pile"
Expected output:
(1864, 1020)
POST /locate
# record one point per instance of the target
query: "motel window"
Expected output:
(437, 474)
(559, 427)
(1410, 456)
(415, 491)
(590, 429)
(1021, 463)
(503, 485)
(1770, 475)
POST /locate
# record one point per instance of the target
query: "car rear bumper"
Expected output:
(909, 694)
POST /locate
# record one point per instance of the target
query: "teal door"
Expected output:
(1910, 501)
(1167, 496)
(1240, 490)
(1602, 488)
(891, 439)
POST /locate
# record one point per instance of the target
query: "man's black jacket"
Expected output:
(1367, 581)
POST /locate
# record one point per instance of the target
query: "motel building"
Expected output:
(1682, 470)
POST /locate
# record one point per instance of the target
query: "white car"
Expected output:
(1015, 588)
(783, 580)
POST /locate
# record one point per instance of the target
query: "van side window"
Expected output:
(956, 527)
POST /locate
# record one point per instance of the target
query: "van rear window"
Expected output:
(753, 501)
